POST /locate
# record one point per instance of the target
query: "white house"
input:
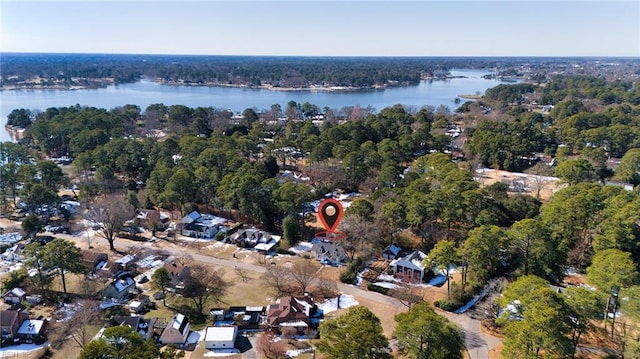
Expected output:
(409, 267)
(223, 337)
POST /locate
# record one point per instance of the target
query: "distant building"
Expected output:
(15, 295)
(291, 312)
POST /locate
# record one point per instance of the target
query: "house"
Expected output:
(149, 218)
(176, 331)
(15, 295)
(14, 253)
(138, 323)
(197, 225)
(32, 330)
(246, 317)
(291, 312)
(119, 288)
(391, 252)
(94, 260)
(177, 272)
(329, 252)
(10, 321)
(126, 262)
(409, 267)
(259, 240)
(223, 337)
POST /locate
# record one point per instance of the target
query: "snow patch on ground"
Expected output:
(295, 353)
(387, 285)
(221, 352)
(331, 305)
(302, 247)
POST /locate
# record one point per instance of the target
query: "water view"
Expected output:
(146, 92)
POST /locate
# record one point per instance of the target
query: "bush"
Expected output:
(348, 277)
(376, 288)
(447, 305)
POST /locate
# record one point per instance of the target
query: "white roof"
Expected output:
(18, 292)
(177, 321)
(269, 245)
(411, 260)
(30, 327)
(135, 304)
(226, 333)
(126, 259)
(122, 284)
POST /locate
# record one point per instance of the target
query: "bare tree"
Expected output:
(304, 274)
(271, 349)
(361, 234)
(79, 326)
(204, 284)
(109, 214)
(243, 274)
(327, 288)
(279, 279)
(407, 295)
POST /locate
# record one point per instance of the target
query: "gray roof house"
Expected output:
(176, 331)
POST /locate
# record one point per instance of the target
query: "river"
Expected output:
(145, 92)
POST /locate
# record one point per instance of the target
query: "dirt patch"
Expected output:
(521, 183)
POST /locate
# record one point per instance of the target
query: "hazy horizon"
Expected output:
(324, 28)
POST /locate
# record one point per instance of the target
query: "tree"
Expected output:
(540, 322)
(278, 278)
(110, 213)
(31, 225)
(534, 251)
(629, 169)
(271, 348)
(612, 268)
(81, 322)
(611, 271)
(204, 284)
(34, 258)
(442, 256)
(161, 279)
(483, 251)
(357, 334)
(575, 171)
(120, 342)
(65, 256)
(424, 334)
(303, 274)
(584, 306)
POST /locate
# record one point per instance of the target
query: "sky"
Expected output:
(324, 28)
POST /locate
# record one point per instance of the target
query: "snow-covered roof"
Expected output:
(30, 327)
(262, 246)
(411, 260)
(123, 283)
(126, 259)
(221, 333)
(18, 292)
(177, 321)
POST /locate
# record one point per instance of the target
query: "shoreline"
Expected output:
(318, 88)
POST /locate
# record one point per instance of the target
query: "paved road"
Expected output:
(477, 343)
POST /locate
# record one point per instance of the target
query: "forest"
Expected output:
(412, 175)
(96, 70)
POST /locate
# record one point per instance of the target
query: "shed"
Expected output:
(15, 295)
(223, 337)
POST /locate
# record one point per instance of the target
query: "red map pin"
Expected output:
(330, 213)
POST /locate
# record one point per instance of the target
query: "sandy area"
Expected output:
(531, 183)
